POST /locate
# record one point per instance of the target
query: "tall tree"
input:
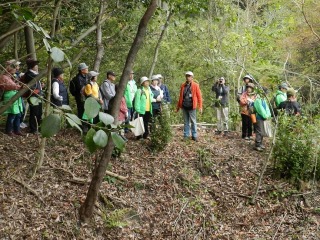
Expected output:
(86, 210)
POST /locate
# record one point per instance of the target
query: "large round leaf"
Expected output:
(50, 125)
(100, 138)
(73, 124)
(89, 140)
(57, 54)
(118, 141)
(91, 107)
(74, 118)
(106, 118)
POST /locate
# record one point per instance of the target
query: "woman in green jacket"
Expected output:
(15, 110)
(142, 104)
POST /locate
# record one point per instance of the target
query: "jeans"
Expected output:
(13, 123)
(222, 117)
(190, 115)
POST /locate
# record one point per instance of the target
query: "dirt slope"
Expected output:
(189, 191)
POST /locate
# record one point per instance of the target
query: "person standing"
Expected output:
(291, 106)
(10, 88)
(157, 96)
(129, 93)
(281, 94)
(246, 104)
(246, 79)
(59, 92)
(221, 105)
(108, 91)
(33, 99)
(142, 104)
(76, 86)
(165, 90)
(92, 90)
(262, 114)
(189, 100)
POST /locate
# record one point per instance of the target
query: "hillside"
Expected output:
(189, 191)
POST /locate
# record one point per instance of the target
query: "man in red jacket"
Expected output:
(190, 98)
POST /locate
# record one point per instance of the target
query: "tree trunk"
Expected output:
(31, 50)
(5, 38)
(86, 210)
(100, 47)
(54, 26)
(155, 57)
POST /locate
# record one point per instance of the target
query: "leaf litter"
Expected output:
(188, 191)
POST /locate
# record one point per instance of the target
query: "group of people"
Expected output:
(254, 108)
(145, 100)
(10, 83)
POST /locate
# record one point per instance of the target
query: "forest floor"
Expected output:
(191, 190)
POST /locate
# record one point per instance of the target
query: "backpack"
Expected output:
(83, 92)
(72, 87)
(28, 92)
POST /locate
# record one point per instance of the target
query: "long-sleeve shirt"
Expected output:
(108, 91)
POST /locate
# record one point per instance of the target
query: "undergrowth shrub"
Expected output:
(161, 131)
(296, 152)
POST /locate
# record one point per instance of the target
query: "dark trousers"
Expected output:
(259, 137)
(246, 126)
(35, 117)
(146, 120)
(129, 118)
(80, 107)
(13, 123)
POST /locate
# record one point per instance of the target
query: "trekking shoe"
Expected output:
(217, 132)
(195, 139)
(259, 149)
(250, 138)
(225, 133)
(23, 125)
(11, 134)
(246, 138)
(263, 147)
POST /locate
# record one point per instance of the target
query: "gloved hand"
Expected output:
(159, 98)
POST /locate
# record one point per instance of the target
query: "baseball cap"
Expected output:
(111, 73)
(247, 76)
(189, 73)
(92, 74)
(283, 85)
(82, 66)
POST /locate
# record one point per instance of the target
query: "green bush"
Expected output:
(296, 150)
(161, 131)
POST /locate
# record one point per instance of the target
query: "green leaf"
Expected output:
(50, 125)
(57, 54)
(106, 118)
(118, 141)
(101, 138)
(74, 118)
(66, 107)
(91, 107)
(35, 101)
(74, 124)
(89, 140)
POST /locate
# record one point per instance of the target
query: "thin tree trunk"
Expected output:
(46, 113)
(156, 52)
(31, 50)
(86, 210)
(5, 38)
(16, 56)
(100, 47)
(55, 16)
